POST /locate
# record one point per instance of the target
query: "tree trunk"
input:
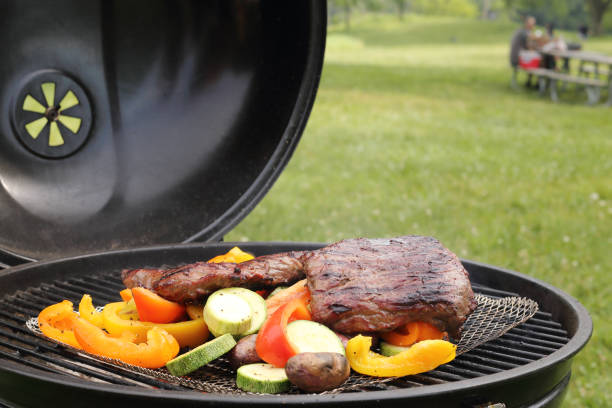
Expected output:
(486, 7)
(597, 9)
(401, 8)
(347, 16)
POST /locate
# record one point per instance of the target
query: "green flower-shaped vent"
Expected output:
(51, 114)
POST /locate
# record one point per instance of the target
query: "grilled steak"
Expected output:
(356, 285)
(193, 282)
(373, 285)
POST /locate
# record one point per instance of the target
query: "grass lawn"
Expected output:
(415, 130)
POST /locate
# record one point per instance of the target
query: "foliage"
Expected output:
(414, 134)
(459, 8)
(568, 14)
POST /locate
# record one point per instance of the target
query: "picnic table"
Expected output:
(589, 63)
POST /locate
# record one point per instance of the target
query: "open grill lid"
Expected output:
(134, 123)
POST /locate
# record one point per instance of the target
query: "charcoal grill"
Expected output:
(530, 365)
(167, 122)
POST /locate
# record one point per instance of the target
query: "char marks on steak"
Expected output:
(193, 282)
(356, 285)
(373, 285)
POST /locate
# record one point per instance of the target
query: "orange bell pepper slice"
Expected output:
(154, 308)
(189, 333)
(411, 333)
(421, 357)
(56, 321)
(160, 347)
(126, 295)
(272, 344)
(298, 290)
(88, 312)
(234, 255)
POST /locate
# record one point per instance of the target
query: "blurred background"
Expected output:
(416, 130)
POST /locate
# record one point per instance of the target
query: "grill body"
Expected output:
(528, 366)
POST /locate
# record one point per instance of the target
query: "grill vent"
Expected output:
(532, 340)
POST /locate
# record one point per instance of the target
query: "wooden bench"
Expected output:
(592, 70)
(550, 79)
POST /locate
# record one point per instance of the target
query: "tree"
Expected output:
(401, 5)
(345, 6)
(597, 9)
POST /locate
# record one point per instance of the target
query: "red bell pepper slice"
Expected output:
(272, 344)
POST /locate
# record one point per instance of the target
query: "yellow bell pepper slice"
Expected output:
(421, 357)
(188, 333)
(234, 255)
(55, 321)
(160, 347)
(88, 312)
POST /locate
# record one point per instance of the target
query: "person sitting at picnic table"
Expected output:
(552, 43)
(522, 40)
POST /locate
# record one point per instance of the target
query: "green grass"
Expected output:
(415, 130)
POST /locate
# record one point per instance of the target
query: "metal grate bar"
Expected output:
(66, 294)
(523, 347)
(496, 346)
(558, 340)
(495, 293)
(107, 281)
(532, 342)
(487, 361)
(93, 289)
(498, 357)
(16, 356)
(99, 296)
(548, 330)
(476, 367)
(463, 372)
(545, 322)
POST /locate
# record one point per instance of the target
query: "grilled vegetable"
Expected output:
(272, 344)
(88, 312)
(188, 333)
(227, 313)
(317, 372)
(234, 255)
(195, 311)
(262, 378)
(153, 308)
(244, 352)
(201, 355)
(421, 357)
(298, 290)
(56, 321)
(159, 348)
(308, 336)
(411, 333)
(388, 349)
(256, 303)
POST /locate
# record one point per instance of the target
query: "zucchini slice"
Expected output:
(201, 355)
(262, 378)
(308, 336)
(257, 305)
(227, 313)
(388, 349)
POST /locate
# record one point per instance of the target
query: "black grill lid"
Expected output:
(131, 123)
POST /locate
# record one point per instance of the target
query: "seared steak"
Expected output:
(373, 285)
(356, 286)
(193, 282)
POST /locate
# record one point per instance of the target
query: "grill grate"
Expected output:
(530, 341)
